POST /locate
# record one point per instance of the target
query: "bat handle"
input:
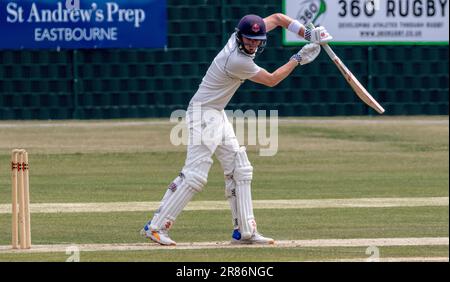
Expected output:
(329, 51)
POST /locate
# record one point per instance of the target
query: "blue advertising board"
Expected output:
(53, 24)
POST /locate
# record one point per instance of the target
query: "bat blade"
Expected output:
(354, 83)
(358, 88)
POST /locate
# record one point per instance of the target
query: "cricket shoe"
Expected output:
(255, 239)
(161, 236)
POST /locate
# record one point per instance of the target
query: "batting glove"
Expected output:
(307, 54)
(317, 35)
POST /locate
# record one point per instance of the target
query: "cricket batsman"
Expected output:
(206, 117)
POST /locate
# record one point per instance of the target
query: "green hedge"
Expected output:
(92, 84)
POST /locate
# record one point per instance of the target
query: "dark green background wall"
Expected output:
(94, 84)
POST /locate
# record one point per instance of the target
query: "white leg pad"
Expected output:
(243, 174)
(230, 194)
(194, 181)
(170, 191)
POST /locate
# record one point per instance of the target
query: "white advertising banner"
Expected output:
(373, 21)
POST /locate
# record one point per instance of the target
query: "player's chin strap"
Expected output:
(241, 45)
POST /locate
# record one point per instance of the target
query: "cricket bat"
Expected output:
(357, 87)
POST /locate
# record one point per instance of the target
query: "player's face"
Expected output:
(251, 45)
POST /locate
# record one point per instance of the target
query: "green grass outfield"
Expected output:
(133, 161)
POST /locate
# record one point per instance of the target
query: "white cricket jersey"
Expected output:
(227, 72)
